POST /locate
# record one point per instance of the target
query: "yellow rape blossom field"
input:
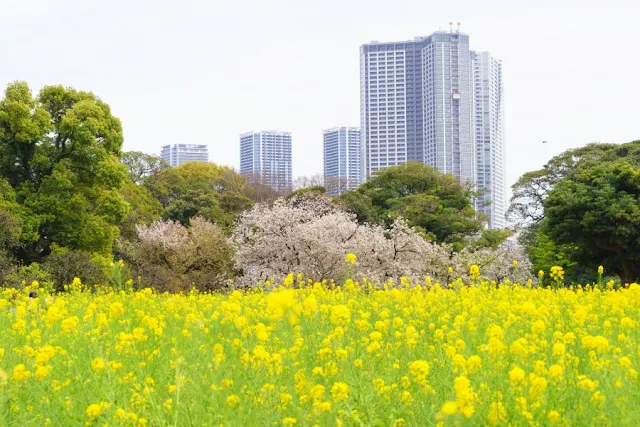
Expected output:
(308, 354)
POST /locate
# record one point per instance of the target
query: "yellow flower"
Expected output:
(538, 327)
(419, 369)
(289, 421)
(497, 414)
(20, 373)
(339, 391)
(45, 354)
(516, 375)
(96, 409)
(340, 315)
(449, 408)
(351, 258)
(233, 401)
(474, 364)
(474, 271)
(538, 386)
(554, 417)
(557, 273)
(515, 262)
(540, 274)
(261, 332)
(556, 372)
(42, 371)
(70, 324)
(598, 399)
(625, 362)
(97, 364)
(168, 404)
(317, 392)
(600, 269)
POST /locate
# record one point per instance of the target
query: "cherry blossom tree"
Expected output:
(309, 235)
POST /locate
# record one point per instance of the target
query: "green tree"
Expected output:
(532, 188)
(492, 238)
(10, 217)
(144, 209)
(59, 153)
(596, 207)
(142, 166)
(527, 207)
(360, 205)
(215, 193)
(317, 190)
(437, 204)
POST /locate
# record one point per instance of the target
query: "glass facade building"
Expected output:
(177, 154)
(418, 103)
(265, 157)
(341, 159)
(489, 136)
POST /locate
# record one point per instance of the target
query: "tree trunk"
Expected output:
(631, 270)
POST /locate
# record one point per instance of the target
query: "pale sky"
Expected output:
(205, 71)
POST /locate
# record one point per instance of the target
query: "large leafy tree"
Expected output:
(144, 209)
(215, 193)
(11, 224)
(435, 203)
(532, 188)
(142, 166)
(59, 154)
(596, 208)
(528, 209)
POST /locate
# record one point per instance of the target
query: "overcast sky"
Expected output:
(205, 71)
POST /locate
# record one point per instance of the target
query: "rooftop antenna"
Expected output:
(458, 27)
(451, 26)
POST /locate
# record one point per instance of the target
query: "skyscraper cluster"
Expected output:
(431, 100)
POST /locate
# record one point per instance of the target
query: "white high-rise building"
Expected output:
(177, 154)
(489, 136)
(341, 159)
(265, 157)
(418, 103)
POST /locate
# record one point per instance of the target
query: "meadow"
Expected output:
(302, 353)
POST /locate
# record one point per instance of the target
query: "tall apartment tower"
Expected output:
(417, 103)
(341, 159)
(177, 154)
(265, 157)
(489, 136)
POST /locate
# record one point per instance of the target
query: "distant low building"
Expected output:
(265, 158)
(341, 147)
(177, 154)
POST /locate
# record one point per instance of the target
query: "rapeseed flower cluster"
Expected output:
(304, 353)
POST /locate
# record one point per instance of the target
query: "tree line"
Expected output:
(71, 199)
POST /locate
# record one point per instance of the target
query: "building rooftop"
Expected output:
(341, 127)
(266, 131)
(416, 39)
